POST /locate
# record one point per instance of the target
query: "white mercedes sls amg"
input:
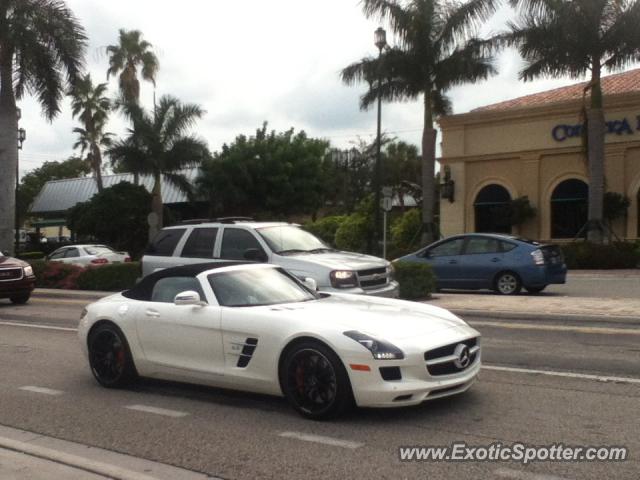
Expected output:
(257, 328)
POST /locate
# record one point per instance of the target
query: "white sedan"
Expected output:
(257, 328)
(88, 255)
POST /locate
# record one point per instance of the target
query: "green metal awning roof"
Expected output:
(55, 222)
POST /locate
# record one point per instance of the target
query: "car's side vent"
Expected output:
(247, 352)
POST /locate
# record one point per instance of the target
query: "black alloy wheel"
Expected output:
(315, 381)
(110, 357)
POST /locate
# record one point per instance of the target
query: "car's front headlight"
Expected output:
(380, 349)
(343, 279)
(28, 271)
(392, 272)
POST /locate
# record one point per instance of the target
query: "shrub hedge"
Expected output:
(112, 277)
(586, 255)
(416, 280)
(325, 228)
(31, 255)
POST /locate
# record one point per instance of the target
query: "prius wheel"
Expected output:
(315, 382)
(110, 357)
(508, 283)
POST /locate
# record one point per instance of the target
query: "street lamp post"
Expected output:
(380, 41)
(22, 136)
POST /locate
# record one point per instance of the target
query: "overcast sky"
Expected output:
(249, 61)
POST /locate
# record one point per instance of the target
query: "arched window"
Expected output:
(569, 208)
(491, 209)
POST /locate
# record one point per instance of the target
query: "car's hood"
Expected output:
(10, 262)
(381, 318)
(333, 261)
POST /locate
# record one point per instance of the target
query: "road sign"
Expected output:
(387, 204)
(387, 191)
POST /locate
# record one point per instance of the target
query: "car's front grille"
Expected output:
(446, 360)
(7, 274)
(373, 277)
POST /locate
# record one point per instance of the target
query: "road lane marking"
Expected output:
(46, 391)
(553, 373)
(522, 475)
(157, 411)
(36, 325)
(334, 442)
(557, 328)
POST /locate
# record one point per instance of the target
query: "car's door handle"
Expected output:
(453, 261)
(495, 259)
(152, 313)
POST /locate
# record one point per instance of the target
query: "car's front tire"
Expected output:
(110, 357)
(20, 299)
(315, 382)
(508, 283)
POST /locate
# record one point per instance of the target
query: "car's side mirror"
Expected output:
(187, 298)
(5, 253)
(310, 283)
(255, 255)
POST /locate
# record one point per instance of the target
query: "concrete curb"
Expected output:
(75, 294)
(79, 463)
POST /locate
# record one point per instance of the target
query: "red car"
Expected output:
(16, 279)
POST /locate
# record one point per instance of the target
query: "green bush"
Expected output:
(354, 232)
(325, 228)
(112, 277)
(586, 255)
(31, 255)
(416, 280)
(405, 231)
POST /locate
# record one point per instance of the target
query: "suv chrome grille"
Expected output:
(445, 361)
(373, 277)
(7, 274)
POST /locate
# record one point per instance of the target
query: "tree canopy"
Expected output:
(269, 173)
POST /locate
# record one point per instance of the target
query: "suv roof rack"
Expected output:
(196, 221)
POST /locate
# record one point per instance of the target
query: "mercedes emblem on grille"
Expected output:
(463, 357)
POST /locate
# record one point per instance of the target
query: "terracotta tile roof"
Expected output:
(611, 85)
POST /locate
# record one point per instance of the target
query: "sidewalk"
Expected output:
(531, 307)
(27, 455)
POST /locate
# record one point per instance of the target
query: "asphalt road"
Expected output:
(235, 435)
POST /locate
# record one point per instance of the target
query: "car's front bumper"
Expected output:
(415, 387)
(13, 288)
(390, 290)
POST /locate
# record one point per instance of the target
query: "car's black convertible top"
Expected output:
(144, 288)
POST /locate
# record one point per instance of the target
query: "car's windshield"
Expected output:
(252, 287)
(290, 239)
(98, 250)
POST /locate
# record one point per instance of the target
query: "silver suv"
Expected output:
(284, 244)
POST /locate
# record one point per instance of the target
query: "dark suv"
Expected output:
(16, 279)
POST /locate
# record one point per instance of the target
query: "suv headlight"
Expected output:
(28, 271)
(343, 279)
(380, 349)
(392, 272)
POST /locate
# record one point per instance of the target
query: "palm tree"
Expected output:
(92, 107)
(42, 47)
(131, 53)
(92, 142)
(158, 145)
(437, 50)
(575, 38)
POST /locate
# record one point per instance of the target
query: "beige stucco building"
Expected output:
(531, 146)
